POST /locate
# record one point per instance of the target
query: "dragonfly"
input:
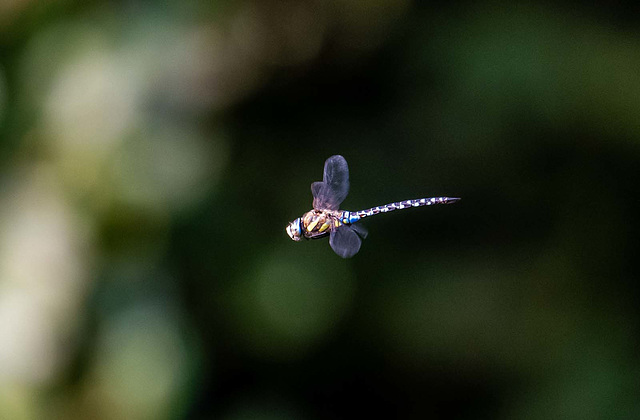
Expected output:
(345, 235)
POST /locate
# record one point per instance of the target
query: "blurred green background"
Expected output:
(152, 153)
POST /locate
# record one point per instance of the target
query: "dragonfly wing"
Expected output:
(360, 230)
(328, 194)
(345, 241)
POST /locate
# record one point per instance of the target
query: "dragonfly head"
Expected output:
(294, 230)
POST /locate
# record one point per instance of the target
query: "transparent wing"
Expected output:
(328, 194)
(345, 241)
(360, 230)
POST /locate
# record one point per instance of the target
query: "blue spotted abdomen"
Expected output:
(354, 216)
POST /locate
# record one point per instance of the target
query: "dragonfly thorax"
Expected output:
(314, 224)
(318, 223)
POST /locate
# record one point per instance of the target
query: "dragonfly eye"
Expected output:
(293, 230)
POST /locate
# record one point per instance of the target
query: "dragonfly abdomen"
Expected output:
(354, 216)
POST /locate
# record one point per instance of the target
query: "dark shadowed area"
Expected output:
(152, 153)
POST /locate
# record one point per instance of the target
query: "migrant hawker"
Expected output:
(345, 236)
